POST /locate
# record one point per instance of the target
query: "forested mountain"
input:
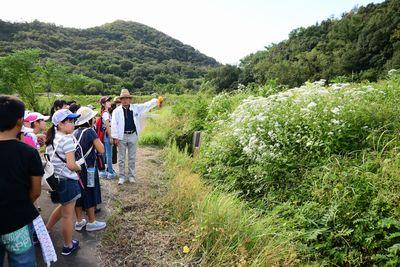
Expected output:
(361, 45)
(121, 53)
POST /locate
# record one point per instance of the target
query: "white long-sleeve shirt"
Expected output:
(118, 119)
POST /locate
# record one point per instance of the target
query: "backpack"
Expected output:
(49, 181)
(100, 129)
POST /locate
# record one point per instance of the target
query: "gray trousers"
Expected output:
(129, 142)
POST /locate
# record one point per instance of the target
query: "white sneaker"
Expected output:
(132, 180)
(95, 226)
(121, 181)
(111, 176)
(79, 225)
(103, 175)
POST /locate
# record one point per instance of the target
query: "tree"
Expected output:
(53, 76)
(19, 72)
(224, 78)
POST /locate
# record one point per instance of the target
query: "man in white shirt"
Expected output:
(125, 129)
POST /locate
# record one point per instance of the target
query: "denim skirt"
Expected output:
(68, 191)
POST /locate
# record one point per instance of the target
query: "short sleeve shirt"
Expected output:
(63, 145)
(105, 116)
(86, 142)
(18, 162)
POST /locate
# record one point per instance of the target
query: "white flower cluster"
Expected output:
(300, 119)
(393, 72)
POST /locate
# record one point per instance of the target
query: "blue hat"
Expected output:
(63, 114)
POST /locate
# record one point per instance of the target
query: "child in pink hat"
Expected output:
(36, 122)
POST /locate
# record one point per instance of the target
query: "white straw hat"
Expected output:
(86, 114)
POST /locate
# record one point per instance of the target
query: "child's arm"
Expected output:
(71, 164)
(98, 145)
(36, 188)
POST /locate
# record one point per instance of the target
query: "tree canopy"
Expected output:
(361, 45)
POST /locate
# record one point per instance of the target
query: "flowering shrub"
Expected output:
(325, 158)
(281, 136)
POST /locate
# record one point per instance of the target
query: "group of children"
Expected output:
(74, 146)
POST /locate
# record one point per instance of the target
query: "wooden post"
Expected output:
(196, 143)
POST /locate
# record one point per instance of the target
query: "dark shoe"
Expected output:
(67, 250)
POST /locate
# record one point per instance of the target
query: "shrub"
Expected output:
(324, 161)
(191, 112)
(274, 140)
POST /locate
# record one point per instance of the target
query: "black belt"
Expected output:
(129, 132)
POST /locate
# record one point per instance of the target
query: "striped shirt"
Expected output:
(63, 144)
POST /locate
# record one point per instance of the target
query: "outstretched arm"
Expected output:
(147, 106)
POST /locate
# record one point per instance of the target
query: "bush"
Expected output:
(274, 140)
(324, 161)
(190, 112)
(349, 210)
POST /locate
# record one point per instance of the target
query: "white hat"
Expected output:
(63, 114)
(86, 114)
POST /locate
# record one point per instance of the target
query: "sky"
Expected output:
(226, 30)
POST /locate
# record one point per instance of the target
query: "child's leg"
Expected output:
(108, 154)
(90, 213)
(67, 212)
(78, 212)
(54, 218)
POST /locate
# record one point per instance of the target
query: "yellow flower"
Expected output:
(186, 249)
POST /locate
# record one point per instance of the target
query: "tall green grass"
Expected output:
(157, 128)
(225, 230)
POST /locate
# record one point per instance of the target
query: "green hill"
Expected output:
(121, 53)
(361, 45)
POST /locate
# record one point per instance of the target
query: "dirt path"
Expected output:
(137, 234)
(87, 253)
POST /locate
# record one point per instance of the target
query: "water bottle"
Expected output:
(90, 176)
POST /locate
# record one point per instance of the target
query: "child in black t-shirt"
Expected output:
(20, 185)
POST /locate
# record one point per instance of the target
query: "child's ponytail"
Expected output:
(51, 133)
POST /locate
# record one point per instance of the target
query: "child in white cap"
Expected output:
(61, 149)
